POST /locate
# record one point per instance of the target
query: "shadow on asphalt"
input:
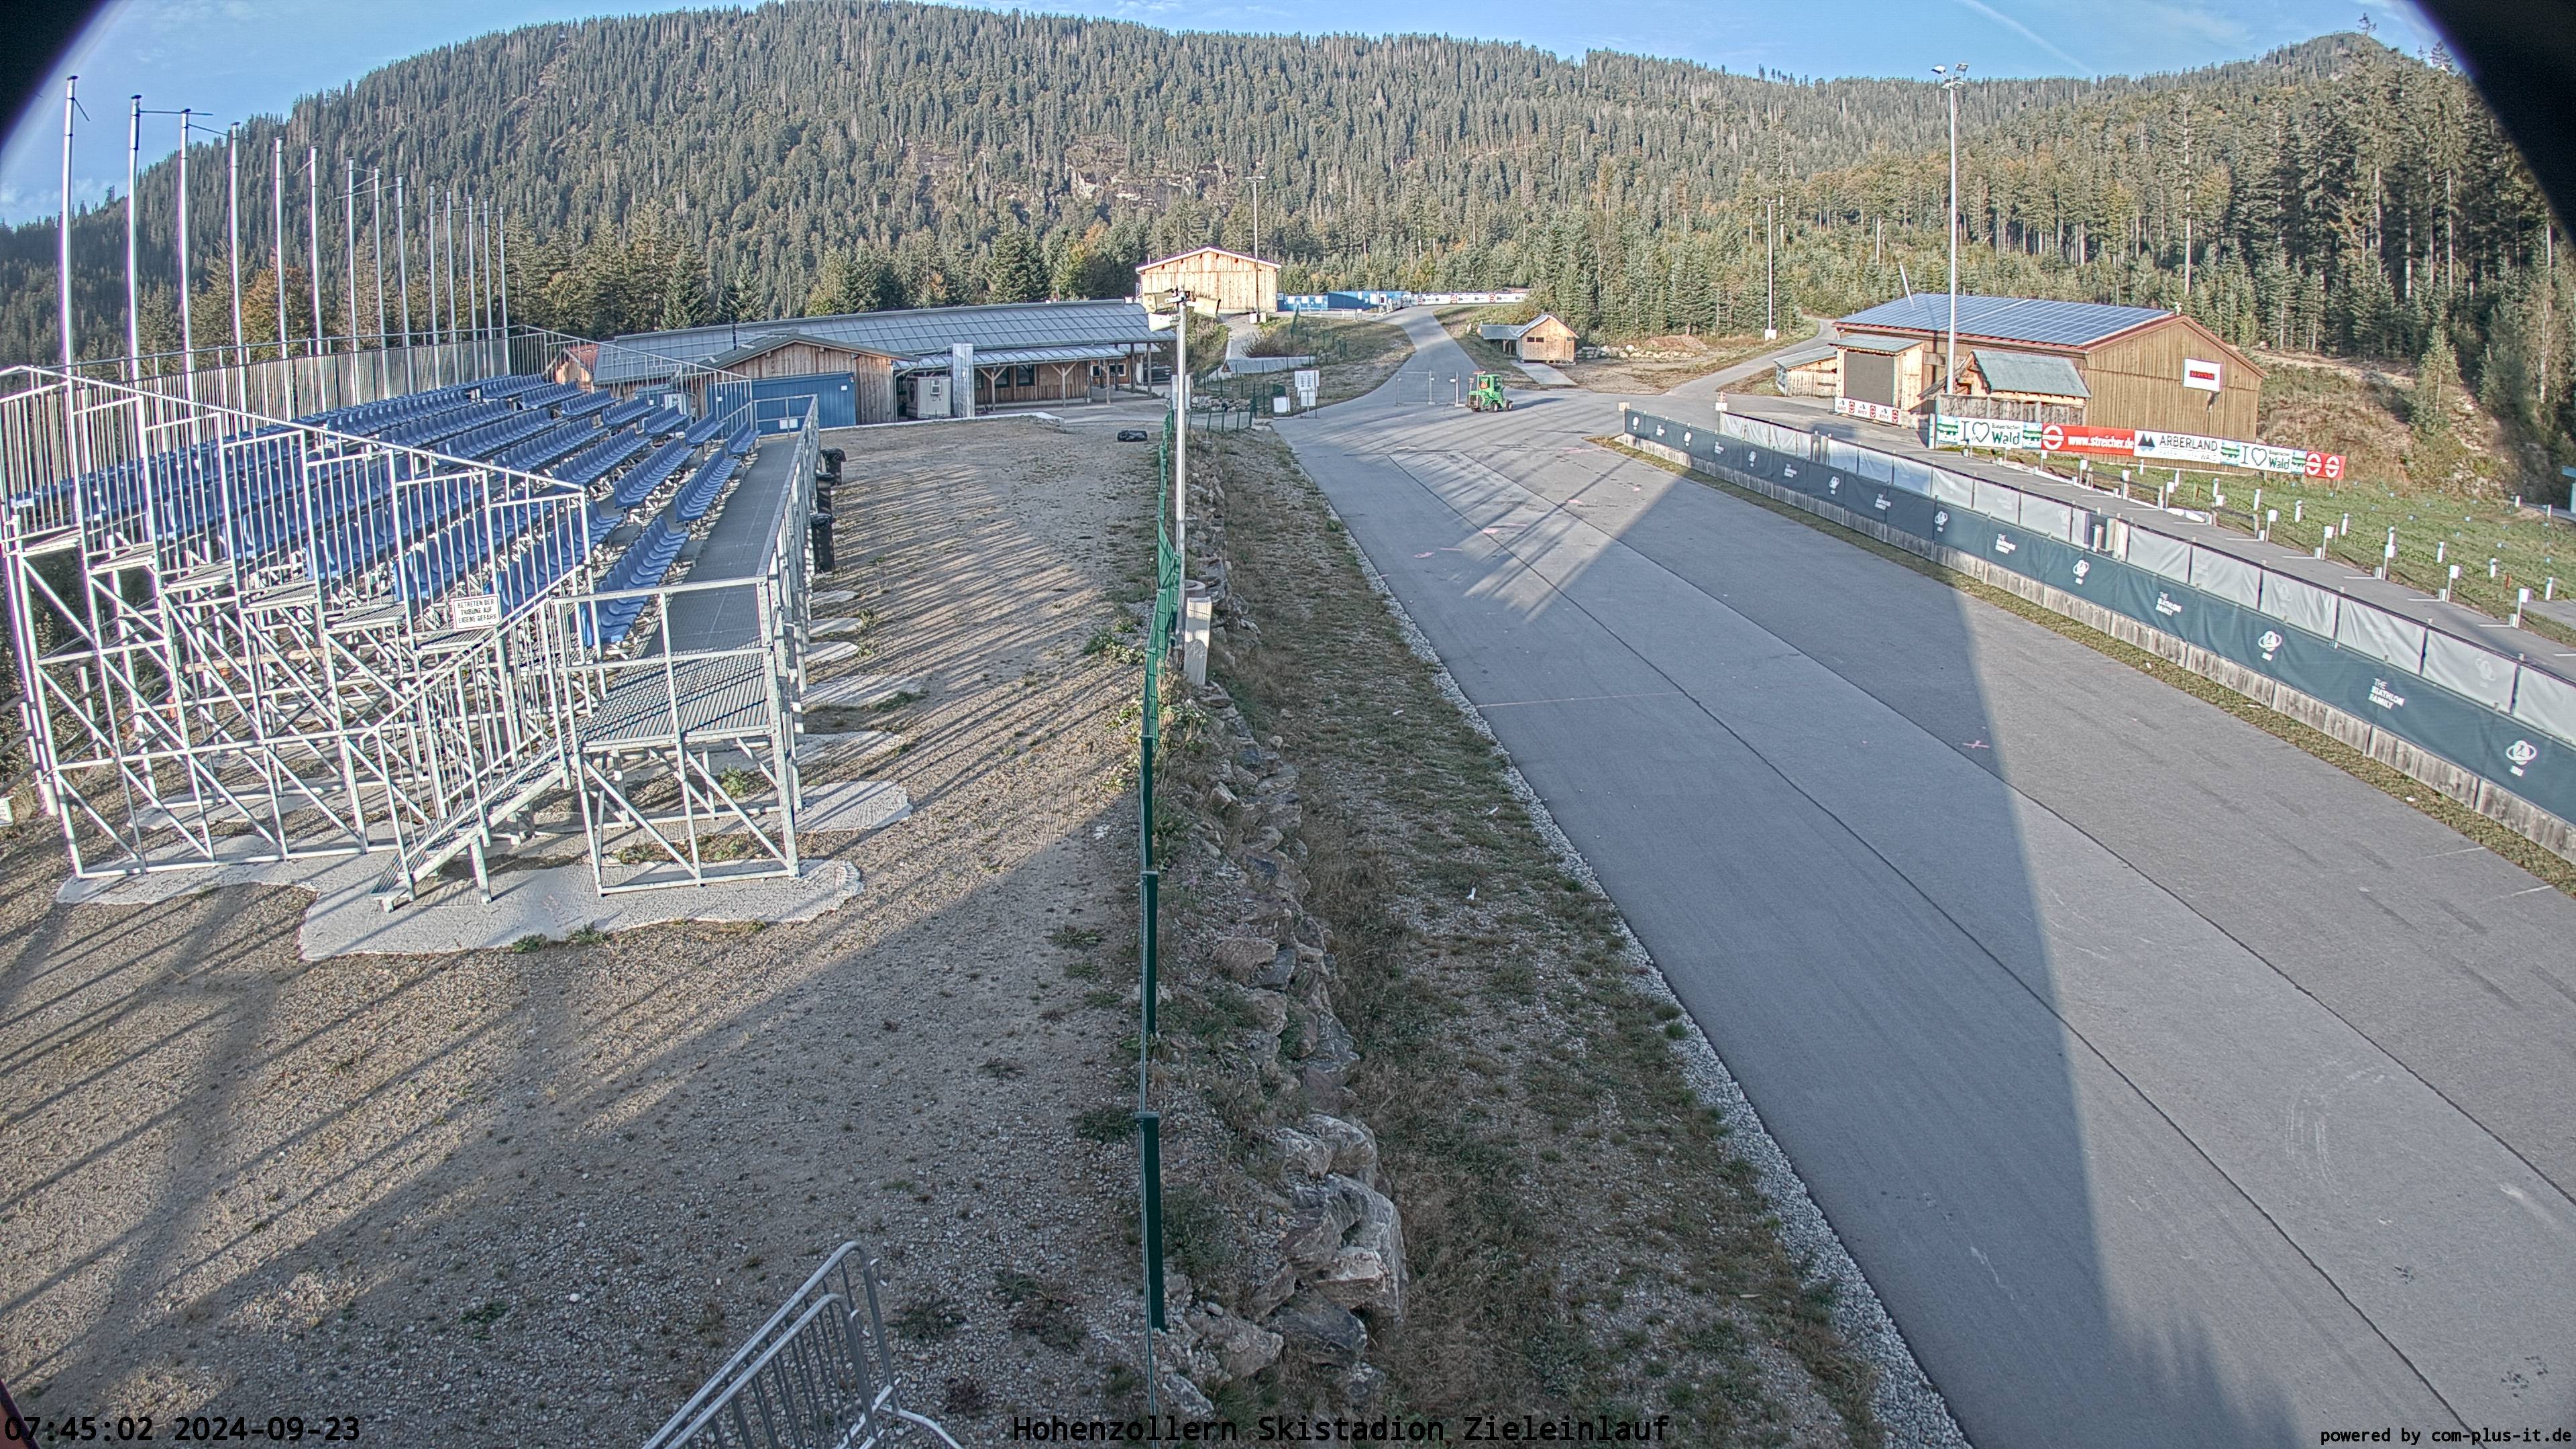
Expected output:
(1843, 902)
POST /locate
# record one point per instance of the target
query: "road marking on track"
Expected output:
(1597, 699)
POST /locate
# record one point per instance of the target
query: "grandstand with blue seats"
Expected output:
(401, 623)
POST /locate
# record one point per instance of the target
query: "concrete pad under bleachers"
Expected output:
(553, 900)
(857, 691)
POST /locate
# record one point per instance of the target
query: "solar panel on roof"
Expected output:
(2008, 319)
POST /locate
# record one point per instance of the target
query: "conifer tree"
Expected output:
(2437, 383)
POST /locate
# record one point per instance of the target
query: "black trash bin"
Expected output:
(819, 529)
(832, 464)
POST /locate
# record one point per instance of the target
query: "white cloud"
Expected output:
(2025, 32)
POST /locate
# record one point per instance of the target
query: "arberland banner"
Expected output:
(2230, 453)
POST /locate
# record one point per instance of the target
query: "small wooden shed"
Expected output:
(1544, 339)
(786, 356)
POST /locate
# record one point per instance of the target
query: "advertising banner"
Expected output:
(2102, 442)
(2188, 449)
(1875, 412)
(2191, 448)
(2194, 449)
(1996, 433)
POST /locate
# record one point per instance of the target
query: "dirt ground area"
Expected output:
(535, 1196)
(1461, 324)
(1660, 364)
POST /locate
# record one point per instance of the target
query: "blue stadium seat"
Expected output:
(560, 441)
(593, 463)
(698, 495)
(642, 566)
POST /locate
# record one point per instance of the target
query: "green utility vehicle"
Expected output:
(1488, 396)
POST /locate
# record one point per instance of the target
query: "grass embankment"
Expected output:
(1461, 324)
(1355, 354)
(2434, 530)
(2549, 866)
(1581, 1234)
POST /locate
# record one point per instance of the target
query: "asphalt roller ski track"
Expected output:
(2169, 1085)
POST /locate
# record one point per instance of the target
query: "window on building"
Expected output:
(1025, 377)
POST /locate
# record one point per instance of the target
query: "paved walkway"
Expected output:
(1544, 375)
(1703, 391)
(2169, 1085)
(736, 548)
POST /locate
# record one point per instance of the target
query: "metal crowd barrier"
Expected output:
(818, 1375)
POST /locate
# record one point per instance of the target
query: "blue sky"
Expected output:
(237, 58)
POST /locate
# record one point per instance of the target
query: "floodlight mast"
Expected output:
(1953, 77)
(133, 316)
(63, 265)
(1181, 427)
(187, 283)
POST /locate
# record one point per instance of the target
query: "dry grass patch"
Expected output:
(1581, 1234)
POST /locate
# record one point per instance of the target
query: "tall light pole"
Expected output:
(377, 210)
(402, 269)
(1953, 77)
(1770, 318)
(1181, 429)
(277, 247)
(133, 314)
(187, 283)
(313, 236)
(349, 235)
(232, 243)
(63, 262)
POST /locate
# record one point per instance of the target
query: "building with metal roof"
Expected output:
(2036, 374)
(2043, 360)
(1013, 352)
(1543, 338)
(2006, 319)
(1878, 342)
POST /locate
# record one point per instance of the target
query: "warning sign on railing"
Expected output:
(475, 611)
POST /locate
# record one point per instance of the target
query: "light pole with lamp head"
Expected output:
(1953, 77)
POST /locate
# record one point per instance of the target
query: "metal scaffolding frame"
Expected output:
(242, 638)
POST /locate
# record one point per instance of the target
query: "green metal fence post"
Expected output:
(1152, 882)
(1145, 791)
(1149, 1142)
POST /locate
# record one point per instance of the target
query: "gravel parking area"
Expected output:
(533, 1197)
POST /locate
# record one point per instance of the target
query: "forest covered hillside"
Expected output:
(816, 155)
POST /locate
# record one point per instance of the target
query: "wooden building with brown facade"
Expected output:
(2075, 362)
(1218, 281)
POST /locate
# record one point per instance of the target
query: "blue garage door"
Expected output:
(779, 401)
